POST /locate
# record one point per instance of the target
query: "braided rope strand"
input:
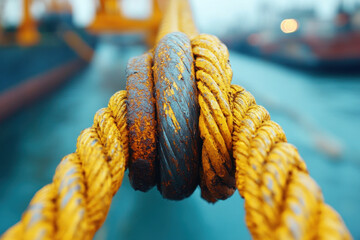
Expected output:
(170, 22)
(75, 205)
(213, 76)
(281, 200)
(186, 21)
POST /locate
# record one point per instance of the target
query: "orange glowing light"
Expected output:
(289, 25)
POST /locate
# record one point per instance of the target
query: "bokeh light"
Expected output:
(289, 25)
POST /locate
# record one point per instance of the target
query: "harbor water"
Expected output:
(320, 114)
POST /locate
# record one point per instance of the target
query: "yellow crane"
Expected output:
(59, 6)
(110, 19)
(27, 33)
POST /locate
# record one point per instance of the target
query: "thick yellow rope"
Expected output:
(281, 200)
(75, 204)
(170, 22)
(213, 76)
(177, 18)
(186, 22)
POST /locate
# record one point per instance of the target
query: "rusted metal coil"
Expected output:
(178, 116)
(141, 122)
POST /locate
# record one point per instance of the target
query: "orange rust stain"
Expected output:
(170, 113)
(142, 123)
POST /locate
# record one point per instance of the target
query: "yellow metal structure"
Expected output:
(27, 33)
(2, 4)
(110, 19)
(59, 6)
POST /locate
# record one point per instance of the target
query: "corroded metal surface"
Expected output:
(178, 117)
(142, 122)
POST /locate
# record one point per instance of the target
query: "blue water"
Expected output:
(316, 111)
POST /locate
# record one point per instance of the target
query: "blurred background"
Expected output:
(60, 61)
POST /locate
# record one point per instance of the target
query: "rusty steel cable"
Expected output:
(142, 124)
(178, 117)
(281, 200)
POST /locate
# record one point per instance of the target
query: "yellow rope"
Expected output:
(170, 22)
(213, 76)
(75, 204)
(281, 200)
(186, 22)
(177, 18)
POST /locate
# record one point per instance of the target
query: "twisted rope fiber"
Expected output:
(75, 204)
(186, 22)
(213, 75)
(170, 22)
(281, 200)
